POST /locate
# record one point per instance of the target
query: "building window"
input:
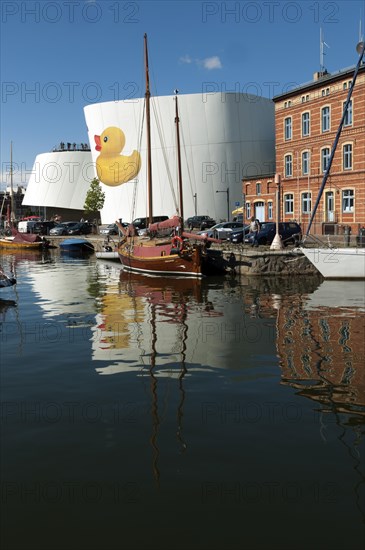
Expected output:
(325, 157)
(269, 210)
(287, 125)
(348, 117)
(306, 203)
(258, 188)
(248, 210)
(307, 97)
(347, 200)
(289, 203)
(325, 119)
(347, 156)
(288, 166)
(305, 124)
(305, 163)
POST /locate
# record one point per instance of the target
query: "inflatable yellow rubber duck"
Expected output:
(113, 168)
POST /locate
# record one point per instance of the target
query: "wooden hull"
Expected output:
(157, 259)
(9, 244)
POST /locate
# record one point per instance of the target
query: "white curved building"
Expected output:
(224, 137)
(60, 179)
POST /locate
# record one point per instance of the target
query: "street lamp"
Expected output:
(195, 204)
(226, 191)
(277, 242)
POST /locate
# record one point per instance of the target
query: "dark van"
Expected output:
(142, 223)
(43, 228)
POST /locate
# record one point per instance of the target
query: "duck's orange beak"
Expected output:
(98, 143)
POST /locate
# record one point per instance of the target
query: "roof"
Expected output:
(323, 80)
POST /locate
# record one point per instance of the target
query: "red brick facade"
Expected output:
(306, 123)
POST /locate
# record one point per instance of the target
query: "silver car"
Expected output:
(221, 230)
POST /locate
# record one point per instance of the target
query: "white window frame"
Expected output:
(325, 157)
(306, 200)
(306, 124)
(288, 128)
(348, 200)
(305, 163)
(348, 117)
(347, 156)
(288, 203)
(326, 118)
(288, 165)
(270, 210)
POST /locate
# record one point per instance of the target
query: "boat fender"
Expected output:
(108, 249)
(177, 242)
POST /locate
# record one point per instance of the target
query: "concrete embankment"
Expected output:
(263, 261)
(248, 261)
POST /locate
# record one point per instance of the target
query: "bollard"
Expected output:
(346, 235)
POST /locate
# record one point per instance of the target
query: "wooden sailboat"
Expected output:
(17, 240)
(177, 255)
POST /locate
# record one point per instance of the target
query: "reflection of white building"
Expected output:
(224, 137)
(60, 180)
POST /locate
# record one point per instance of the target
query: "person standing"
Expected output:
(254, 230)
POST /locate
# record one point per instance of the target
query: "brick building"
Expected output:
(306, 122)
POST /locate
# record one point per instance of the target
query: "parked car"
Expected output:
(290, 233)
(43, 228)
(62, 228)
(142, 223)
(201, 222)
(221, 230)
(81, 228)
(111, 229)
(237, 235)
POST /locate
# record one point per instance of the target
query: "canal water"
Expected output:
(147, 413)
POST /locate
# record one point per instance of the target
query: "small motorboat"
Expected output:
(77, 245)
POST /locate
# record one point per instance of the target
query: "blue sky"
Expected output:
(58, 56)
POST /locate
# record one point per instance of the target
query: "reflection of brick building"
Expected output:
(306, 122)
(322, 353)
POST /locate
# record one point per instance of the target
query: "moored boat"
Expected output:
(166, 250)
(337, 263)
(77, 245)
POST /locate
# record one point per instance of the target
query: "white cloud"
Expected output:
(212, 63)
(186, 59)
(209, 63)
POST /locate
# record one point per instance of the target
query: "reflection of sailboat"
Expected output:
(143, 327)
(163, 255)
(344, 298)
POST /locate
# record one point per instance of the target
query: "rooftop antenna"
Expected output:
(322, 44)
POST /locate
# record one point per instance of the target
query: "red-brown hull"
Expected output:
(157, 260)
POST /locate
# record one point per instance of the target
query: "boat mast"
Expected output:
(177, 120)
(361, 50)
(148, 118)
(12, 214)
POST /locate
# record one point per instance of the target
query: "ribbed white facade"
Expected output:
(60, 179)
(224, 137)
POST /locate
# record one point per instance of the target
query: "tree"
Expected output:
(95, 197)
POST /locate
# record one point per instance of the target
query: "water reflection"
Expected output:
(138, 314)
(320, 343)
